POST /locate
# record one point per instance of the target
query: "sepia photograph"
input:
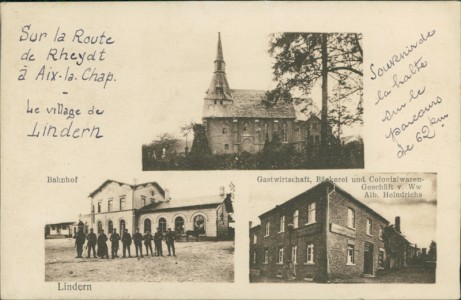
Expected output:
(133, 133)
(308, 116)
(140, 232)
(364, 228)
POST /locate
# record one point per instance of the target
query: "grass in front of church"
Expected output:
(195, 262)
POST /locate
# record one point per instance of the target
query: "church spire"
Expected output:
(219, 55)
(219, 87)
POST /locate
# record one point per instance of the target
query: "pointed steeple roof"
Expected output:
(219, 87)
(219, 55)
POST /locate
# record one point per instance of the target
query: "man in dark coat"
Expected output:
(102, 246)
(169, 239)
(114, 238)
(148, 243)
(91, 243)
(158, 237)
(137, 239)
(126, 241)
(79, 241)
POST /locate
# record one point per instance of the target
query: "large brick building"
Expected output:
(147, 206)
(321, 234)
(238, 120)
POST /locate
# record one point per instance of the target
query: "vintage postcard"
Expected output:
(230, 150)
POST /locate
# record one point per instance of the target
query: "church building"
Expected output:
(238, 120)
(147, 206)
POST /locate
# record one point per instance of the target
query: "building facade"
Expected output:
(399, 249)
(147, 206)
(321, 234)
(238, 120)
(56, 230)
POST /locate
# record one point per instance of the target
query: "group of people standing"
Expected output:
(101, 241)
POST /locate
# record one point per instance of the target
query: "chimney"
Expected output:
(397, 224)
(221, 191)
(167, 195)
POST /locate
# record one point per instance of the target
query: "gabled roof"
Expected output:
(133, 187)
(398, 234)
(249, 104)
(203, 201)
(338, 190)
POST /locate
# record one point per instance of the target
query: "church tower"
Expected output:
(219, 92)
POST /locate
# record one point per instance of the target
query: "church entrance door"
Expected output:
(247, 146)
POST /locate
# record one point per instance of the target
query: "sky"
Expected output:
(184, 68)
(418, 215)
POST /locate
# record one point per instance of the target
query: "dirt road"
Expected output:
(195, 261)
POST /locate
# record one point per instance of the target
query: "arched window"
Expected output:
(179, 225)
(162, 224)
(147, 225)
(122, 226)
(99, 226)
(199, 224)
(284, 133)
(266, 131)
(110, 226)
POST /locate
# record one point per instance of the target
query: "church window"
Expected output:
(162, 224)
(314, 126)
(219, 91)
(224, 130)
(317, 139)
(284, 133)
(266, 130)
(143, 201)
(226, 146)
